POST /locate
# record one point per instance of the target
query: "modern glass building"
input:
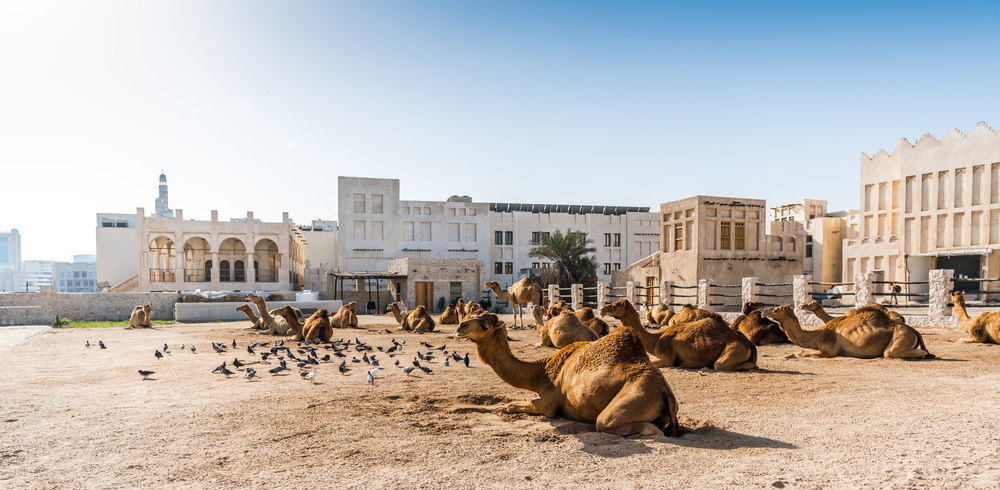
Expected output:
(10, 250)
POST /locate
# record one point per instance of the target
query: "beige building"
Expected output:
(823, 249)
(241, 254)
(933, 204)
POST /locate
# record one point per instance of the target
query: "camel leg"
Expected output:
(536, 406)
(628, 414)
(665, 356)
(903, 345)
(735, 357)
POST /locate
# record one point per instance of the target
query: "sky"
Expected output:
(259, 106)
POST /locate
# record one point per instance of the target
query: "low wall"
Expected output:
(48, 304)
(211, 312)
(23, 315)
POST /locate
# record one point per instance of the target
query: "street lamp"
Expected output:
(26, 284)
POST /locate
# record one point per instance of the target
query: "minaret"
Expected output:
(161, 202)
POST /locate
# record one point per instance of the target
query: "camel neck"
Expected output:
(822, 314)
(496, 353)
(249, 313)
(960, 313)
(631, 320)
(802, 338)
(264, 314)
(397, 315)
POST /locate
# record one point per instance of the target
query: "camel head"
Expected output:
(780, 312)
(493, 286)
(323, 313)
(254, 297)
(958, 298)
(353, 306)
(245, 308)
(811, 306)
(481, 328)
(394, 307)
(751, 306)
(616, 309)
(285, 311)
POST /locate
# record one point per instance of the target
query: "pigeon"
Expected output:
(101, 343)
(303, 373)
(466, 359)
(397, 362)
(365, 358)
(250, 374)
(371, 379)
(301, 364)
(250, 350)
(416, 363)
(234, 343)
(355, 359)
(220, 368)
(388, 331)
(455, 356)
(192, 349)
(380, 349)
(338, 354)
(445, 361)
(343, 367)
(392, 349)
(237, 364)
(426, 369)
(281, 343)
(217, 349)
(165, 346)
(374, 361)
(145, 374)
(312, 377)
(421, 356)
(182, 346)
(408, 370)
(440, 348)
(276, 370)
(87, 344)
(283, 365)
(325, 358)
(158, 355)
(263, 355)
(373, 372)
(166, 351)
(227, 372)
(292, 356)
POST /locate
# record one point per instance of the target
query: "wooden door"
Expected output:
(424, 295)
(650, 292)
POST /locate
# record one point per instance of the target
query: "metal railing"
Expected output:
(776, 291)
(232, 275)
(162, 275)
(265, 275)
(820, 296)
(712, 294)
(197, 275)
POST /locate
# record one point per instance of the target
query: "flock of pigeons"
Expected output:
(306, 356)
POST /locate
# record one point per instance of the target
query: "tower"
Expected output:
(162, 209)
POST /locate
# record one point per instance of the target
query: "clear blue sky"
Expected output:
(261, 105)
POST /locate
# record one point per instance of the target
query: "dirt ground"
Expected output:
(77, 417)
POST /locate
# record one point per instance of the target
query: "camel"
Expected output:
(521, 292)
(817, 309)
(554, 310)
(866, 333)
(344, 316)
(472, 309)
(657, 315)
(562, 330)
(586, 315)
(984, 329)
(609, 382)
(450, 316)
(317, 326)
(708, 342)
(141, 317)
(257, 324)
(689, 314)
(270, 324)
(759, 329)
(417, 319)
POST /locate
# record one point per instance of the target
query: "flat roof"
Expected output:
(511, 207)
(367, 275)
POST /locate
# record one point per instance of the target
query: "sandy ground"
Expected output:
(77, 417)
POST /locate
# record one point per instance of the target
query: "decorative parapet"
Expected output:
(940, 283)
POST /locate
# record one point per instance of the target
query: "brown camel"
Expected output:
(270, 324)
(471, 310)
(316, 327)
(256, 322)
(758, 328)
(586, 315)
(659, 314)
(817, 309)
(984, 329)
(344, 316)
(866, 333)
(609, 382)
(521, 292)
(416, 319)
(141, 317)
(554, 310)
(450, 316)
(689, 314)
(562, 330)
(708, 342)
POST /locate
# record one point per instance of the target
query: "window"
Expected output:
(509, 238)
(607, 239)
(534, 265)
(461, 212)
(617, 241)
(959, 187)
(359, 203)
(406, 210)
(416, 211)
(678, 237)
(809, 246)
(456, 290)
(76, 274)
(617, 266)
(739, 243)
(498, 238)
(498, 267)
(62, 283)
(607, 268)
(425, 232)
(545, 265)
(359, 230)
(377, 203)
(376, 230)
(451, 211)
(508, 267)
(534, 237)
(470, 232)
(881, 196)
(107, 224)
(427, 210)
(454, 233)
(408, 230)
(942, 190)
(724, 235)
(868, 197)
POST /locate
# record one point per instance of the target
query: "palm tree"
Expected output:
(573, 262)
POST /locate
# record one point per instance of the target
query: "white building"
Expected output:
(80, 276)
(10, 249)
(117, 252)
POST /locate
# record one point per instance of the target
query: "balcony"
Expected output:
(162, 275)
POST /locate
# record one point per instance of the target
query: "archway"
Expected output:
(268, 261)
(233, 251)
(162, 260)
(196, 253)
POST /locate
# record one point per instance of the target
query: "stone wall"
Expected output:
(81, 306)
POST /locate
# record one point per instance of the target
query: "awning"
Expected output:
(954, 253)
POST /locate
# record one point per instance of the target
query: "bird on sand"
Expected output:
(250, 374)
(234, 343)
(343, 367)
(145, 374)
(220, 367)
(445, 361)
(276, 370)
(416, 363)
(192, 349)
(101, 343)
(426, 369)
(250, 350)
(227, 372)
(371, 379)
(158, 355)
(237, 364)
(408, 370)
(466, 359)
(312, 377)
(87, 344)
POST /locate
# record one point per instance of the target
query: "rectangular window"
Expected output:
(607, 268)
(108, 224)
(994, 186)
(895, 194)
(881, 226)
(498, 238)
(739, 241)
(868, 227)
(406, 210)
(925, 233)
(359, 230)
(710, 232)
(894, 224)
(942, 226)
(956, 231)
(977, 184)
(534, 265)
(377, 203)
(617, 266)
(995, 226)
(425, 232)
(472, 212)
(470, 232)
(76, 274)
(909, 194)
(408, 230)
(508, 237)
(508, 268)
(498, 267)
(461, 212)
(451, 211)
(607, 239)
(925, 191)
(453, 232)
(376, 230)
(942, 190)
(617, 242)
(359, 203)
(416, 211)
(881, 196)
(977, 219)
(678, 237)
(427, 211)
(534, 237)
(909, 239)
(724, 235)
(868, 197)
(959, 187)
(456, 290)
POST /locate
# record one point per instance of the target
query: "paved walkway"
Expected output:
(11, 336)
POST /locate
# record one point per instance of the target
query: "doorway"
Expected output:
(424, 295)
(969, 266)
(650, 291)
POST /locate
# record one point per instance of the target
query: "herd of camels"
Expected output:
(606, 376)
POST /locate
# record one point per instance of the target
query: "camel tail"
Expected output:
(673, 427)
(753, 353)
(920, 342)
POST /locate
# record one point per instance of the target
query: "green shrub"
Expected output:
(441, 303)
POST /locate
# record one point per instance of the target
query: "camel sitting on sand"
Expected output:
(449, 316)
(817, 309)
(256, 322)
(270, 324)
(708, 342)
(416, 319)
(520, 293)
(587, 316)
(471, 309)
(688, 314)
(866, 332)
(984, 329)
(141, 317)
(345, 317)
(554, 310)
(562, 330)
(317, 326)
(657, 315)
(609, 382)
(758, 328)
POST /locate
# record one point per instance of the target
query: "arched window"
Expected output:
(223, 271)
(238, 272)
(208, 270)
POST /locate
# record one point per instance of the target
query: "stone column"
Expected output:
(630, 292)
(576, 296)
(251, 272)
(553, 294)
(603, 288)
(666, 289)
(801, 292)
(215, 269)
(863, 289)
(750, 289)
(941, 284)
(703, 286)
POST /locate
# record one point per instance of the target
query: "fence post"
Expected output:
(576, 296)
(750, 289)
(703, 285)
(801, 292)
(630, 292)
(862, 289)
(553, 294)
(665, 292)
(941, 284)
(603, 288)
